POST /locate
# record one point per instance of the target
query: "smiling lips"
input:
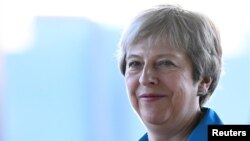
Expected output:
(151, 97)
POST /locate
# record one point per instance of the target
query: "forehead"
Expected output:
(151, 46)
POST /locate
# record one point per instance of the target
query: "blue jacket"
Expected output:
(200, 132)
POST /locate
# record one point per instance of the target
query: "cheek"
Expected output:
(132, 82)
(178, 81)
(172, 82)
(131, 85)
(183, 89)
(181, 86)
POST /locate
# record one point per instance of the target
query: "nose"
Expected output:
(148, 76)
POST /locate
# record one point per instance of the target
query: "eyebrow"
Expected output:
(157, 56)
(133, 56)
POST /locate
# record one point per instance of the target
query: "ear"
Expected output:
(204, 85)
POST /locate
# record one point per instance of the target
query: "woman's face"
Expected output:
(160, 83)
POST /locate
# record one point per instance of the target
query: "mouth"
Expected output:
(151, 97)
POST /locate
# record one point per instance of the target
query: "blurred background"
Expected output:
(59, 79)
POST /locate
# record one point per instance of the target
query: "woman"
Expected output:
(171, 60)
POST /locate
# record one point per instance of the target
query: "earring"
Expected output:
(200, 91)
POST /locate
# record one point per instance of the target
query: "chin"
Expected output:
(154, 119)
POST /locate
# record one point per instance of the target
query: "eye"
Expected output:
(135, 64)
(165, 63)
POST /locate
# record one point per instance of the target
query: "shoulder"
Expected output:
(210, 117)
(144, 137)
